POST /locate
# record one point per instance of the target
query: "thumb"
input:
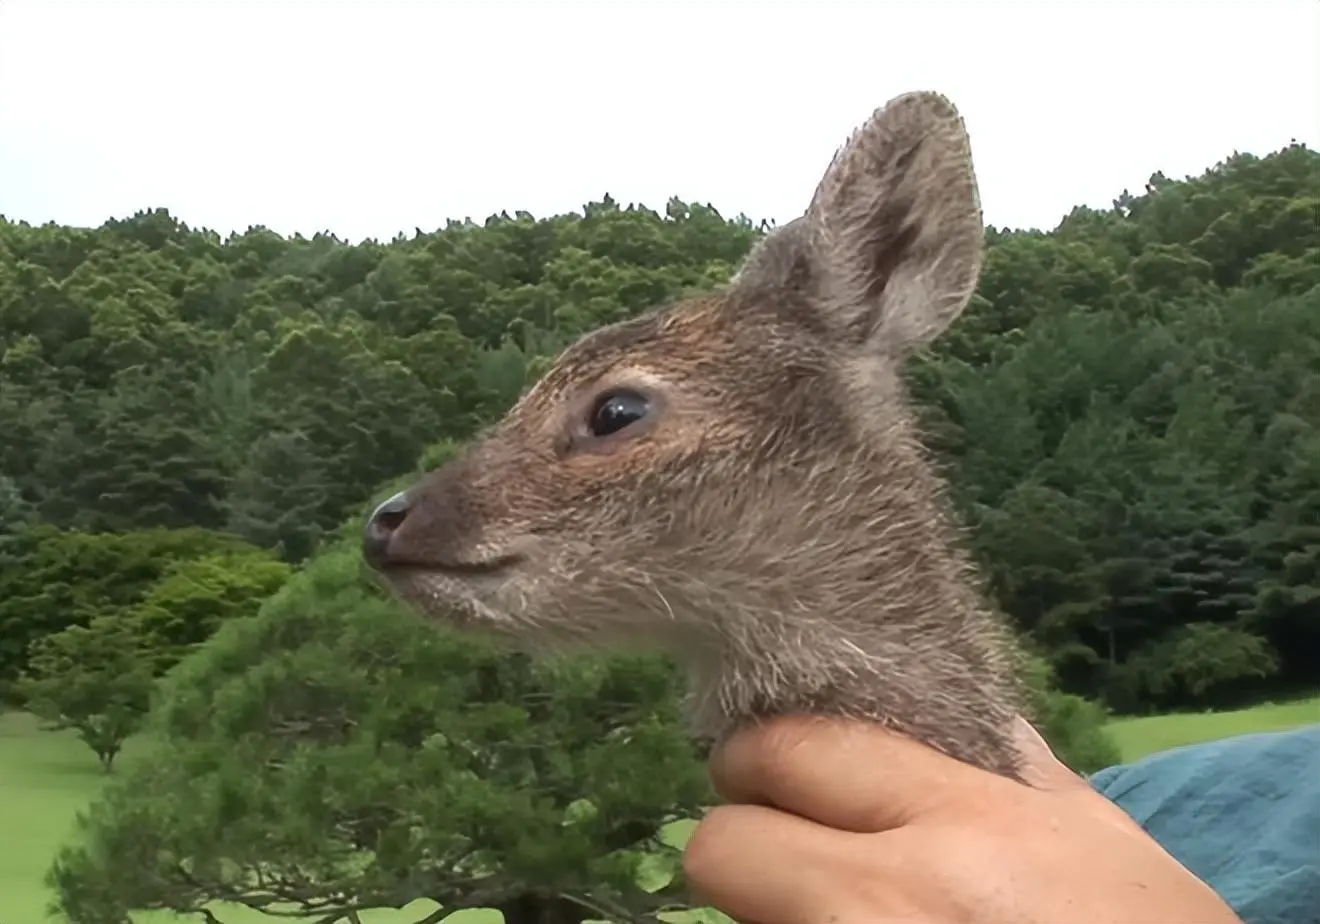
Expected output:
(1041, 769)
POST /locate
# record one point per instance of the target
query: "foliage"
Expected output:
(1129, 411)
(96, 680)
(1194, 659)
(62, 578)
(1073, 726)
(97, 677)
(196, 597)
(333, 754)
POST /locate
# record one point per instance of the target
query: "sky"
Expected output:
(369, 118)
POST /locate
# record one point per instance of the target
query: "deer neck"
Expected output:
(926, 658)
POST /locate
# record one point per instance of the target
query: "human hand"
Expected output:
(840, 822)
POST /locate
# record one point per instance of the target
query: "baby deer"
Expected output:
(737, 478)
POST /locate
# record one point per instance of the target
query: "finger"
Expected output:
(758, 864)
(853, 776)
(1041, 769)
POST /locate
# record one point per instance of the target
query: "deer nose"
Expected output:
(384, 522)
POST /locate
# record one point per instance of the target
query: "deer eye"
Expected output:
(617, 410)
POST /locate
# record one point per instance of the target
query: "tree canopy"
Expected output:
(335, 754)
(1128, 410)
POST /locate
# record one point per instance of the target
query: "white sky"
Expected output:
(371, 117)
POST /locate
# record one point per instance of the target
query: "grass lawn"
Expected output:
(1138, 737)
(45, 778)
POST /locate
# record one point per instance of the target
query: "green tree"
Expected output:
(93, 679)
(196, 597)
(70, 578)
(1122, 409)
(16, 515)
(334, 754)
(277, 498)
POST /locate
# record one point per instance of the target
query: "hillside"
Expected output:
(1128, 411)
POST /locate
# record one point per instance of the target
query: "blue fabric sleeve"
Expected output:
(1243, 814)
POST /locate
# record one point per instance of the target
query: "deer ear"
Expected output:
(889, 251)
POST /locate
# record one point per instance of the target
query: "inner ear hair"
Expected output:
(785, 260)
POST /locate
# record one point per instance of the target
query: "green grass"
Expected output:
(45, 778)
(1137, 738)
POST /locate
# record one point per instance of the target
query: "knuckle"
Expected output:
(761, 759)
(708, 849)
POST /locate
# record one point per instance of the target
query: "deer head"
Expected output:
(737, 478)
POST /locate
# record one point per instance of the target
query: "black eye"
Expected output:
(615, 411)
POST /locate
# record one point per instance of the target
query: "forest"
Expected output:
(192, 428)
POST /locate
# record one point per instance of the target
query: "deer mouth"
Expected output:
(454, 569)
(459, 593)
(421, 584)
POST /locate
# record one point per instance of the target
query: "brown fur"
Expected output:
(773, 520)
